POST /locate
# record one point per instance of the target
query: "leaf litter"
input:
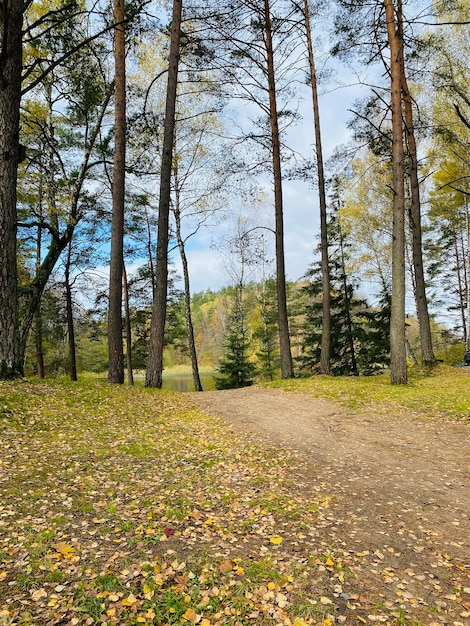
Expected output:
(128, 506)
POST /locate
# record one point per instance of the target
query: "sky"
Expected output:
(301, 208)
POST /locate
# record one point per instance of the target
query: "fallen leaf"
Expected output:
(130, 600)
(37, 594)
(225, 566)
(275, 540)
(190, 615)
(63, 549)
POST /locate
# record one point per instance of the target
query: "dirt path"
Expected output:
(401, 483)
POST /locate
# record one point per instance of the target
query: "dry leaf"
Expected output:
(275, 539)
(37, 594)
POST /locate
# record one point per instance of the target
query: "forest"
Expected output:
(128, 129)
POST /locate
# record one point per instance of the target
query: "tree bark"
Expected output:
(38, 343)
(187, 301)
(287, 368)
(325, 268)
(398, 366)
(11, 363)
(427, 352)
(462, 284)
(40, 373)
(115, 347)
(127, 310)
(70, 324)
(154, 372)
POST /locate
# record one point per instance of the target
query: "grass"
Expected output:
(439, 392)
(124, 506)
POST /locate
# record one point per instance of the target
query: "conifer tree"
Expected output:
(235, 369)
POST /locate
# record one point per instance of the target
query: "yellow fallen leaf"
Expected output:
(205, 622)
(130, 600)
(275, 540)
(300, 622)
(329, 561)
(3, 575)
(141, 619)
(111, 612)
(64, 550)
(113, 597)
(190, 615)
(325, 600)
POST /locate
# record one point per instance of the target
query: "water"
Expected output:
(184, 382)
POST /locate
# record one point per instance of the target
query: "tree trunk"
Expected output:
(427, 352)
(462, 285)
(130, 373)
(11, 362)
(154, 372)
(115, 348)
(398, 367)
(325, 268)
(287, 368)
(70, 324)
(187, 298)
(40, 373)
(467, 270)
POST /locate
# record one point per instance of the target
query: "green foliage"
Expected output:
(359, 341)
(374, 349)
(266, 333)
(236, 369)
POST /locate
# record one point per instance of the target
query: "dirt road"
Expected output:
(400, 483)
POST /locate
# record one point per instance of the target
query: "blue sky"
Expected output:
(301, 212)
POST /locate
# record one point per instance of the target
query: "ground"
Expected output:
(400, 485)
(122, 506)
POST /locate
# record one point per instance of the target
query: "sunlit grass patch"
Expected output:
(437, 392)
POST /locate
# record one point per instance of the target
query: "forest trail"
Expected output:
(400, 482)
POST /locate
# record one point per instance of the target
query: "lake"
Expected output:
(184, 382)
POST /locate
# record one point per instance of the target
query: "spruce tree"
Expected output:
(235, 368)
(346, 311)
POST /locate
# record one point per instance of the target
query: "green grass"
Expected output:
(439, 392)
